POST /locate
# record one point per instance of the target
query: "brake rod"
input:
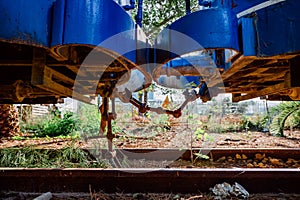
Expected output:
(143, 107)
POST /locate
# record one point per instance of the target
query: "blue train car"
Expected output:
(81, 49)
(59, 48)
(253, 47)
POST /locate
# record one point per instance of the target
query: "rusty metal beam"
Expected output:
(188, 71)
(266, 91)
(49, 85)
(8, 63)
(38, 66)
(53, 86)
(171, 154)
(147, 180)
(253, 84)
(43, 77)
(34, 100)
(295, 72)
(238, 65)
(16, 92)
(48, 72)
(257, 72)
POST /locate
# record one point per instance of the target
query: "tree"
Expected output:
(157, 14)
(9, 120)
(280, 114)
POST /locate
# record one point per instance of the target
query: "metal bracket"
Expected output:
(126, 97)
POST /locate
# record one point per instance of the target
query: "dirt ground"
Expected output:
(177, 137)
(182, 138)
(174, 138)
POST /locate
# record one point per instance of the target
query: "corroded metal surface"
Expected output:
(215, 153)
(143, 180)
(174, 180)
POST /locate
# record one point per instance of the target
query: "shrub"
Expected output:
(55, 126)
(90, 119)
(254, 123)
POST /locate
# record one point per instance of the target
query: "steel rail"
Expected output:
(213, 153)
(147, 180)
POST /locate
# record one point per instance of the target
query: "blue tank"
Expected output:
(26, 22)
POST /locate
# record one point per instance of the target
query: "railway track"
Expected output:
(145, 180)
(158, 180)
(214, 153)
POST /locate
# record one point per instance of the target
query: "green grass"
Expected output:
(67, 157)
(73, 137)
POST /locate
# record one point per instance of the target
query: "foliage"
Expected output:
(157, 14)
(199, 132)
(199, 155)
(71, 137)
(70, 156)
(254, 123)
(90, 119)
(17, 137)
(86, 122)
(55, 126)
(225, 106)
(115, 128)
(226, 116)
(215, 127)
(279, 114)
(222, 125)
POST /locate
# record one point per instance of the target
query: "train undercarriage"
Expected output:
(82, 49)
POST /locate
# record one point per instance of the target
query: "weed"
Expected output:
(199, 155)
(57, 126)
(53, 126)
(115, 128)
(90, 117)
(70, 156)
(17, 137)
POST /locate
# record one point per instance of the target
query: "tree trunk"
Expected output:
(9, 120)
